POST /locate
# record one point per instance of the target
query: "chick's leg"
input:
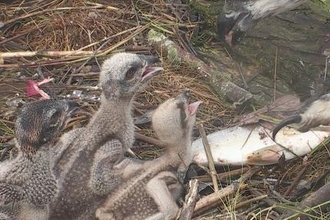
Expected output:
(158, 189)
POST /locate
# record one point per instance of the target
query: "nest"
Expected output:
(67, 40)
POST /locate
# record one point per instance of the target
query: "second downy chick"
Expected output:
(146, 194)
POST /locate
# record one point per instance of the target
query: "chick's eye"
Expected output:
(130, 73)
(55, 118)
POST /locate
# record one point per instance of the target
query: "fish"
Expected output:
(253, 145)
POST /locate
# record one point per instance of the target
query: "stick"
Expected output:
(223, 176)
(191, 199)
(209, 156)
(149, 140)
(44, 53)
(250, 201)
(296, 179)
(214, 199)
(268, 201)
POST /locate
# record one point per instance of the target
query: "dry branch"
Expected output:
(317, 201)
(215, 198)
(209, 156)
(149, 140)
(44, 53)
(191, 199)
(250, 201)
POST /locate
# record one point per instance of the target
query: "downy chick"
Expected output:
(122, 75)
(316, 114)
(27, 183)
(147, 193)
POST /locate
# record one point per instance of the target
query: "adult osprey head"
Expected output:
(239, 16)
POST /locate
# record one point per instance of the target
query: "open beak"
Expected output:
(192, 107)
(72, 107)
(285, 122)
(150, 71)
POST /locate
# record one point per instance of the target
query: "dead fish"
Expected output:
(241, 145)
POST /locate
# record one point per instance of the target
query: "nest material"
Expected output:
(51, 30)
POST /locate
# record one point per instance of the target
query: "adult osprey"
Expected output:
(245, 13)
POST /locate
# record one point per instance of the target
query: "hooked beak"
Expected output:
(150, 71)
(225, 24)
(242, 21)
(285, 122)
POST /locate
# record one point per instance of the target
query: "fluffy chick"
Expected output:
(122, 75)
(147, 193)
(27, 183)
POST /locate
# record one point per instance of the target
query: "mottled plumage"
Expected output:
(148, 192)
(81, 164)
(239, 16)
(27, 183)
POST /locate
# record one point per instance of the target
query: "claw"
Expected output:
(285, 122)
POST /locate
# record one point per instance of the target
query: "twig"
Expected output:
(248, 174)
(149, 140)
(314, 202)
(275, 73)
(131, 36)
(215, 198)
(270, 202)
(209, 156)
(297, 179)
(247, 202)
(326, 68)
(240, 70)
(191, 199)
(223, 176)
(44, 53)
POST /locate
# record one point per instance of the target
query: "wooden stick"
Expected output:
(209, 156)
(268, 201)
(247, 202)
(149, 140)
(215, 198)
(313, 202)
(191, 199)
(223, 176)
(296, 179)
(44, 53)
